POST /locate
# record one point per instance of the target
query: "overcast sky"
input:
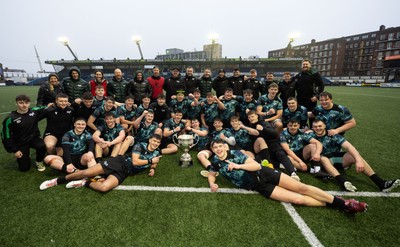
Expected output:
(103, 28)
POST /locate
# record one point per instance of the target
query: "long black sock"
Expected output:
(337, 203)
(64, 168)
(282, 158)
(340, 179)
(61, 180)
(377, 180)
(88, 182)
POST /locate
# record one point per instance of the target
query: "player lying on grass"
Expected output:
(116, 169)
(246, 173)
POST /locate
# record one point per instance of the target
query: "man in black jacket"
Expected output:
(173, 84)
(253, 84)
(116, 88)
(139, 86)
(191, 82)
(286, 89)
(308, 85)
(236, 82)
(220, 83)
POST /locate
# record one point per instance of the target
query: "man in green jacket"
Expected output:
(117, 87)
(74, 86)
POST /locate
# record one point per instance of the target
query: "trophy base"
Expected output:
(185, 164)
(186, 160)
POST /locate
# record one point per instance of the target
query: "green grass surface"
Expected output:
(82, 217)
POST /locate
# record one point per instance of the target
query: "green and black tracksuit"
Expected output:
(20, 132)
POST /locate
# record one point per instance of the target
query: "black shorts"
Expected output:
(76, 161)
(59, 137)
(266, 180)
(115, 166)
(299, 154)
(165, 142)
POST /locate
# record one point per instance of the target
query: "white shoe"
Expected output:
(40, 167)
(76, 184)
(48, 184)
(294, 176)
(205, 173)
(349, 186)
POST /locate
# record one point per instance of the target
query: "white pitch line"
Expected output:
(182, 189)
(365, 194)
(302, 225)
(242, 191)
(3, 113)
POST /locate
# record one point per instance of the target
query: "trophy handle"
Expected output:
(196, 139)
(175, 139)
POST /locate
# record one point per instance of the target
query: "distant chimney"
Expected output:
(312, 41)
(382, 27)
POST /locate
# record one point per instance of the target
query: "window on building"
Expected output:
(372, 42)
(398, 35)
(389, 45)
(373, 35)
(381, 46)
(351, 46)
(355, 45)
(365, 36)
(326, 47)
(397, 44)
(356, 38)
(331, 46)
(391, 35)
(382, 37)
(396, 52)
(367, 43)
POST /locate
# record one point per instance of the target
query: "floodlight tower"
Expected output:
(213, 37)
(64, 41)
(292, 38)
(137, 40)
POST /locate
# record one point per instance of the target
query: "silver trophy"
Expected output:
(185, 142)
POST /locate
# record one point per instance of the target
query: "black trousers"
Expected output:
(24, 163)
